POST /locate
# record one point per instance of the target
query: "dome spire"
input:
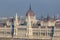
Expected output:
(30, 7)
(30, 12)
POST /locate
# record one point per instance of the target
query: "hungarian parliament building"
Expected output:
(30, 28)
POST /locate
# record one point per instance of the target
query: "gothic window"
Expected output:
(43, 33)
(8, 32)
(1, 32)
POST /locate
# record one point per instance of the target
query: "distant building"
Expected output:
(31, 28)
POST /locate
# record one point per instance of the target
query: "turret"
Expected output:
(16, 24)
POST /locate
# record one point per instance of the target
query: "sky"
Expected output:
(40, 7)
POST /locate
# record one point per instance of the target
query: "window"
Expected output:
(43, 34)
(42, 26)
(8, 32)
(1, 32)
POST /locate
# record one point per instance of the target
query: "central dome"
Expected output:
(30, 12)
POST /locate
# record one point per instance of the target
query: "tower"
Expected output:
(29, 28)
(16, 19)
(16, 24)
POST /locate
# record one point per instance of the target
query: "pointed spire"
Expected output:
(16, 16)
(57, 16)
(42, 17)
(30, 7)
(48, 17)
(54, 17)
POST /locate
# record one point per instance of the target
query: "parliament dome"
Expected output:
(30, 12)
